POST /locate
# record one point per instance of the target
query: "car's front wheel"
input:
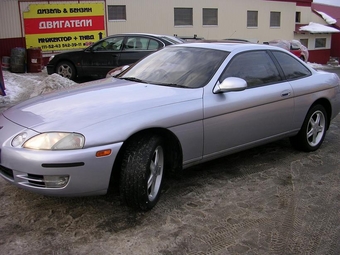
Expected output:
(142, 172)
(66, 69)
(313, 130)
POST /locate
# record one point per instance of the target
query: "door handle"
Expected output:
(286, 93)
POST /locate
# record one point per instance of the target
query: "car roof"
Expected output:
(229, 46)
(168, 38)
(144, 34)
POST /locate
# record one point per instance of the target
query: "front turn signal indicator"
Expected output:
(103, 153)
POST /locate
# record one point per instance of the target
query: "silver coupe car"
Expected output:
(183, 105)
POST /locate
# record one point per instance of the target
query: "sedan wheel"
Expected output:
(313, 130)
(66, 70)
(142, 172)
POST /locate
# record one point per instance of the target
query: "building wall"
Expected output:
(151, 17)
(10, 19)
(335, 52)
(157, 16)
(316, 55)
(298, 2)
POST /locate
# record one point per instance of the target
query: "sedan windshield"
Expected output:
(187, 67)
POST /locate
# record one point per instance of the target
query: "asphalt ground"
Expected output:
(268, 200)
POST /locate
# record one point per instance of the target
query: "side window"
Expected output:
(154, 45)
(140, 43)
(130, 43)
(291, 67)
(109, 44)
(256, 67)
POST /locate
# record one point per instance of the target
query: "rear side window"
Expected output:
(141, 43)
(291, 67)
(256, 67)
(154, 45)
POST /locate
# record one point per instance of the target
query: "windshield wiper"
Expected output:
(171, 84)
(133, 79)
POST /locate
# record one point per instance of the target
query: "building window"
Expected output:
(297, 17)
(275, 19)
(304, 42)
(116, 12)
(320, 43)
(210, 17)
(252, 18)
(183, 17)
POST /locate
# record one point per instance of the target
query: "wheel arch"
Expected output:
(63, 60)
(327, 105)
(173, 150)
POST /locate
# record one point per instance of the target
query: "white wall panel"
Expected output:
(157, 16)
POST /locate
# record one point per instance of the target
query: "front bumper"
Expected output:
(78, 172)
(50, 69)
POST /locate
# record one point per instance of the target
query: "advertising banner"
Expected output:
(56, 27)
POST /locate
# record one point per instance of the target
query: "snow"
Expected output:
(326, 17)
(318, 28)
(22, 86)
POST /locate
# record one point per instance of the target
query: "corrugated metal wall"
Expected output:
(10, 19)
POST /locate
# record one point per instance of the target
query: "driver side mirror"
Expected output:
(230, 84)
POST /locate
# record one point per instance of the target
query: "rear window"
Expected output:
(172, 40)
(291, 67)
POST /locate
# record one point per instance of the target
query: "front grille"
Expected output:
(34, 180)
(6, 172)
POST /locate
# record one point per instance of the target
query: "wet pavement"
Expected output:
(268, 200)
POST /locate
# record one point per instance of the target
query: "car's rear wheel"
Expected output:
(66, 69)
(313, 130)
(142, 172)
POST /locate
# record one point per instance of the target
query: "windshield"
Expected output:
(177, 66)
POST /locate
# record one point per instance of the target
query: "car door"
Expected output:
(301, 81)
(240, 119)
(137, 47)
(102, 56)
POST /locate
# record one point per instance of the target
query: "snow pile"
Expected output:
(21, 86)
(326, 17)
(318, 28)
(51, 83)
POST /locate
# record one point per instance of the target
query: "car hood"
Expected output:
(81, 106)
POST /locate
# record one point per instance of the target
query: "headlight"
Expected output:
(51, 57)
(19, 139)
(55, 141)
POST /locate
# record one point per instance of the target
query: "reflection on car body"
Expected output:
(181, 106)
(294, 46)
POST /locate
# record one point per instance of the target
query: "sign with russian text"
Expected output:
(55, 27)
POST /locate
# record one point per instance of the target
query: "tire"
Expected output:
(142, 172)
(313, 130)
(66, 70)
